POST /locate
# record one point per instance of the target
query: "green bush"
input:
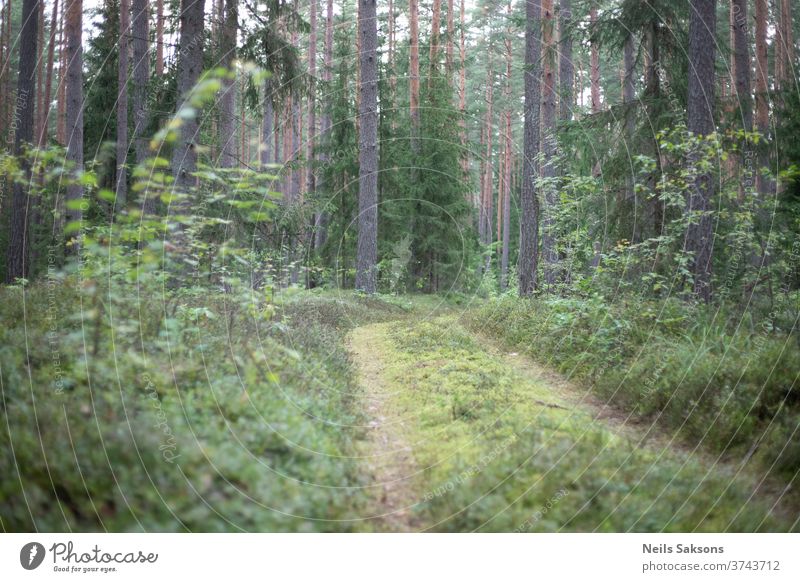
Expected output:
(200, 414)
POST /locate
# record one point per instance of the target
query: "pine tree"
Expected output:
(73, 31)
(367, 254)
(17, 262)
(529, 219)
(122, 104)
(699, 235)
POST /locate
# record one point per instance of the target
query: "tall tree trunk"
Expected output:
(321, 232)
(436, 26)
(549, 239)
(40, 62)
(48, 84)
(159, 38)
(227, 107)
(61, 105)
(784, 43)
(266, 125)
(73, 30)
(462, 92)
(17, 263)
(699, 234)
(413, 73)
(595, 64)
(4, 72)
(786, 17)
(488, 189)
(450, 40)
(566, 68)
(507, 166)
(140, 25)
(122, 105)
(367, 253)
(190, 64)
(529, 201)
(741, 62)
(762, 90)
(628, 97)
(312, 99)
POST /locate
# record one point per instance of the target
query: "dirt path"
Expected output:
(466, 435)
(389, 458)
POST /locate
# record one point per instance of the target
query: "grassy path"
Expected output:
(465, 436)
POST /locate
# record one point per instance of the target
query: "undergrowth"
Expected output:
(729, 384)
(179, 411)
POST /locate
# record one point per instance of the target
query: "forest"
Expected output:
(409, 265)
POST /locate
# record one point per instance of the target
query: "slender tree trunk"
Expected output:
(488, 189)
(699, 235)
(321, 232)
(48, 85)
(762, 90)
(312, 99)
(462, 92)
(73, 31)
(628, 97)
(122, 105)
(17, 262)
(4, 72)
(413, 73)
(436, 26)
(595, 65)
(266, 125)
(507, 168)
(190, 64)
(227, 107)
(549, 238)
(39, 116)
(450, 40)
(61, 105)
(741, 62)
(140, 26)
(367, 254)
(529, 201)
(159, 38)
(566, 68)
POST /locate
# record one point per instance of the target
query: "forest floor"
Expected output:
(465, 435)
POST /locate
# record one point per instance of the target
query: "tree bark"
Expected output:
(450, 40)
(566, 68)
(699, 234)
(227, 105)
(762, 89)
(741, 62)
(436, 26)
(23, 112)
(48, 85)
(549, 238)
(507, 166)
(190, 64)
(367, 253)
(529, 201)
(122, 105)
(312, 99)
(595, 65)
(73, 31)
(321, 231)
(61, 105)
(462, 92)
(413, 73)
(159, 38)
